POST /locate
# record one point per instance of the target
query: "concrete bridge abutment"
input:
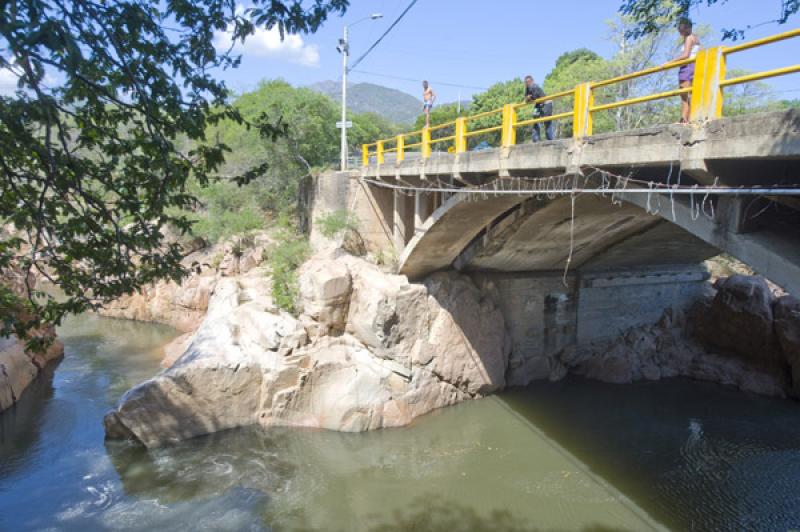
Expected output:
(550, 316)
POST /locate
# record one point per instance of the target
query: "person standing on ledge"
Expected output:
(428, 97)
(691, 45)
(541, 109)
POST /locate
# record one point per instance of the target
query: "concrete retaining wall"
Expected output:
(372, 207)
(545, 316)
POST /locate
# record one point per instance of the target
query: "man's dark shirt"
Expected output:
(535, 92)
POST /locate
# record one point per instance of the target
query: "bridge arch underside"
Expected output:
(523, 234)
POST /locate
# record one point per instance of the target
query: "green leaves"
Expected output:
(93, 160)
(652, 16)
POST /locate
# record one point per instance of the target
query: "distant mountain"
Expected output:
(392, 104)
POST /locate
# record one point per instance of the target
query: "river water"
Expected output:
(574, 455)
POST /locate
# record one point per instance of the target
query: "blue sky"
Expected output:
(476, 43)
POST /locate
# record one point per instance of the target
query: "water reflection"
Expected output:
(573, 455)
(696, 456)
(20, 426)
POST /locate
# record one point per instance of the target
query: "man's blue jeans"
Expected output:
(546, 110)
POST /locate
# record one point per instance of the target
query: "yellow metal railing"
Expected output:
(706, 95)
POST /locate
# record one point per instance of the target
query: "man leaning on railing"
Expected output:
(541, 109)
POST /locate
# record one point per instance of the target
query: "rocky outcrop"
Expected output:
(18, 365)
(740, 335)
(370, 351)
(664, 350)
(740, 319)
(184, 305)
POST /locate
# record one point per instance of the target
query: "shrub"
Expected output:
(335, 223)
(284, 258)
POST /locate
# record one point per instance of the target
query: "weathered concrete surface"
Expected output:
(694, 148)
(547, 317)
(537, 236)
(540, 235)
(772, 252)
(739, 151)
(448, 231)
(372, 207)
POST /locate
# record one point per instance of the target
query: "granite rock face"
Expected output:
(184, 305)
(399, 351)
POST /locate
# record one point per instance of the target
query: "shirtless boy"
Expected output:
(428, 97)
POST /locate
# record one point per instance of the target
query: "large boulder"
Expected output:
(445, 325)
(740, 320)
(787, 329)
(325, 292)
(403, 350)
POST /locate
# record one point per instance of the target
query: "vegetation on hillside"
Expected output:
(310, 142)
(394, 105)
(92, 166)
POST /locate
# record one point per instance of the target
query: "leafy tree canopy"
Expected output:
(651, 16)
(567, 58)
(92, 168)
(310, 142)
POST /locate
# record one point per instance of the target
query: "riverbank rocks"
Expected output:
(184, 305)
(18, 366)
(740, 319)
(370, 351)
(665, 350)
(325, 287)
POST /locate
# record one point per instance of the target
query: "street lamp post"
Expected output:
(344, 49)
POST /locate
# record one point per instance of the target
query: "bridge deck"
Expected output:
(507, 233)
(701, 150)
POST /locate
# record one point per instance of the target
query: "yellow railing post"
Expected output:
(379, 151)
(509, 131)
(365, 155)
(707, 95)
(401, 148)
(582, 115)
(461, 135)
(426, 143)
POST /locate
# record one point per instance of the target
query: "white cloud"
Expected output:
(268, 43)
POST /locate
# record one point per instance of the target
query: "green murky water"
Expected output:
(574, 455)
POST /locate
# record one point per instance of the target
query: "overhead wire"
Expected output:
(446, 84)
(383, 36)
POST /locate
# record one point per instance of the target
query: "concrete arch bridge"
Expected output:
(631, 255)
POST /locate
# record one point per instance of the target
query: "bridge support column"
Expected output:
(403, 220)
(423, 207)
